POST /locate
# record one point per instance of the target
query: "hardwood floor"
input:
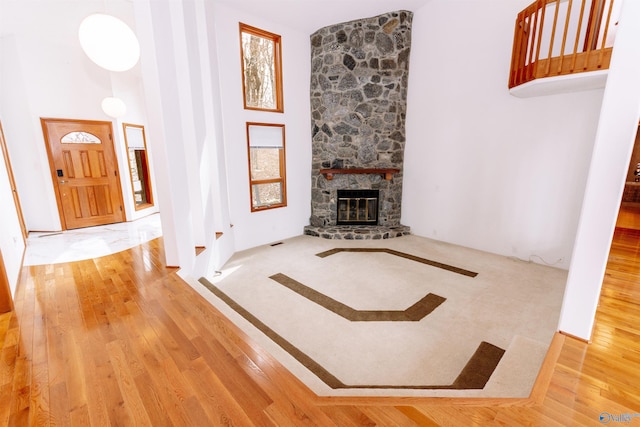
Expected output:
(122, 340)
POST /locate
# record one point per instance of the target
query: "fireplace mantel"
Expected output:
(387, 172)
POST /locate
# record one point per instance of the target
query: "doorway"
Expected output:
(12, 183)
(629, 213)
(6, 303)
(84, 171)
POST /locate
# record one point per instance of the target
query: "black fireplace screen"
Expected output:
(357, 207)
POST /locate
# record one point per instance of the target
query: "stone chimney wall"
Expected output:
(359, 74)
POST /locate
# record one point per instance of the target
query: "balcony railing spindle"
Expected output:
(605, 34)
(530, 39)
(575, 47)
(564, 37)
(553, 36)
(541, 6)
(534, 34)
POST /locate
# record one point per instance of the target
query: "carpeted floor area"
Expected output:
(400, 317)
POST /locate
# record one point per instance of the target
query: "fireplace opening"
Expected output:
(357, 207)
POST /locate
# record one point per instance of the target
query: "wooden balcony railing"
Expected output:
(560, 37)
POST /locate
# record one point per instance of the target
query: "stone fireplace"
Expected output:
(359, 74)
(357, 207)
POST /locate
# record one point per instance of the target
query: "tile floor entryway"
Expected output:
(90, 242)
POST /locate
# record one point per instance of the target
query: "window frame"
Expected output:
(145, 179)
(277, 62)
(283, 166)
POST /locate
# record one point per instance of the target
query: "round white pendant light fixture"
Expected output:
(114, 107)
(109, 42)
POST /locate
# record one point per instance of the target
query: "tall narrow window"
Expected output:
(261, 69)
(138, 165)
(266, 165)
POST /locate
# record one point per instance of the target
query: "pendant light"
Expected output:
(109, 42)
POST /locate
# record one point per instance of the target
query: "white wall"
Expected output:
(44, 73)
(181, 85)
(24, 137)
(615, 139)
(160, 29)
(217, 201)
(484, 169)
(257, 228)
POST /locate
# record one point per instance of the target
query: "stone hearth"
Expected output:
(357, 232)
(359, 74)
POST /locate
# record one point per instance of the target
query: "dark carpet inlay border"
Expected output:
(437, 264)
(414, 313)
(474, 375)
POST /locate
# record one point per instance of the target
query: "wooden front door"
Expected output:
(85, 172)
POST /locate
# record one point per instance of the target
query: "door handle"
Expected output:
(63, 182)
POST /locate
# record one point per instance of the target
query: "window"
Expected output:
(266, 165)
(80, 138)
(261, 69)
(138, 165)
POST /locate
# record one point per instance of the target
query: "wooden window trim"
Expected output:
(145, 166)
(277, 52)
(283, 175)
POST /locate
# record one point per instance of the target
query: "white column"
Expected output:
(155, 28)
(612, 150)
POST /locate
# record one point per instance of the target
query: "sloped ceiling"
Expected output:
(304, 15)
(310, 15)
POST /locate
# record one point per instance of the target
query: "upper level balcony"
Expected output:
(556, 38)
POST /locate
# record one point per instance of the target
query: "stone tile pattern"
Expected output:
(359, 74)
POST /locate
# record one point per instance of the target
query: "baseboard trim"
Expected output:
(566, 334)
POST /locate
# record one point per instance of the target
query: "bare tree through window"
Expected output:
(261, 69)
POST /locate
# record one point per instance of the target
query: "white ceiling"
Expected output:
(306, 16)
(310, 15)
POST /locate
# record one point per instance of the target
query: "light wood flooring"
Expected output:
(122, 340)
